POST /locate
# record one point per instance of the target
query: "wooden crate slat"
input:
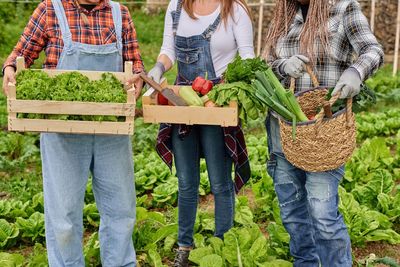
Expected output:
(79, 127)
(149, 97)
(70, 108)
(224, 116)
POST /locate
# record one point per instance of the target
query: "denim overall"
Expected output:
(309, 208)
(69, 158)
(194, 59)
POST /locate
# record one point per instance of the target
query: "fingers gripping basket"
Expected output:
(324, 143)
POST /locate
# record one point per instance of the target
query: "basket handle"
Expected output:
(349, 105)
(313, 77)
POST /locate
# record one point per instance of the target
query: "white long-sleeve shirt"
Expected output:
(226, 41)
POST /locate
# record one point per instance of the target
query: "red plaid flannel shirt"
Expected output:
(43, 32)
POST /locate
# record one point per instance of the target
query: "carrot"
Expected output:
(210, 104)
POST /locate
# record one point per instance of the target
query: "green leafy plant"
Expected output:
(383, 82)
(365, 224)
(11, 260)
(91, 250)
(8, 234)
(166, 192)
(245, 94)
(39, 257)
(33, 227)
(91, 215)
(69, 86)
(17, 151)
(243, 70)
(245, 246)
(13, 209)
(151, 230)
(243, 213)
(384, 124)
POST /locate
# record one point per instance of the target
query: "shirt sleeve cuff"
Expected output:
(138, 67)
(169, 54)
(8, 64)
(277, 68)
(360, 69)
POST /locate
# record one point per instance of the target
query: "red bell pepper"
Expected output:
(202, 85)
(207, 86)
(197, 84)
(161, 100)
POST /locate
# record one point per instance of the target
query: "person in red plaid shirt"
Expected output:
(84, 35)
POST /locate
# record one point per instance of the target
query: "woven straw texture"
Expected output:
(320, 145)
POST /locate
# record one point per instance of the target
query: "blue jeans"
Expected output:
(210, 141)
(67, 160)
(309, 209)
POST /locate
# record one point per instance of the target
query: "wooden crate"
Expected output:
(127, 110)
(154, 113)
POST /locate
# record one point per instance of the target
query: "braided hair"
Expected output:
(315, 27)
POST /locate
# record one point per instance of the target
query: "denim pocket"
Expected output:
(187, 55)
(337, 173)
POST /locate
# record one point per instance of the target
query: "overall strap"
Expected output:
(62, 22)
(176, 16)
(117, 18)
(211, 29)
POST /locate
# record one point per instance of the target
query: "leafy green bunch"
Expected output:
(69, 86)
(361, 102)
(243, 70)
(237, 87)
(243, 93)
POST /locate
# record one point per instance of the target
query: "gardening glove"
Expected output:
(349, 84)
(294, 66)
(157, 72)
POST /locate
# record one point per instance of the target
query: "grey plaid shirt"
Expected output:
(352, 44)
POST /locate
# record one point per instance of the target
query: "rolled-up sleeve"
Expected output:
(32, 40)
(130, 43)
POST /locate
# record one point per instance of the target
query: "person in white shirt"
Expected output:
(202, 37)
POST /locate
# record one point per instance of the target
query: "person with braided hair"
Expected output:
(334, 38)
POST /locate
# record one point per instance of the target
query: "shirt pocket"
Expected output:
(338, 44)
(108, 35)
(333, 25)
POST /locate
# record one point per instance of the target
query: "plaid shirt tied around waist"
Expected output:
(43, 32)
(351, 44)
(234, 142)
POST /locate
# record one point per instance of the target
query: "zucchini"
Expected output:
(190, 96)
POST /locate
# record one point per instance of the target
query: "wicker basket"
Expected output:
(321, 144)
